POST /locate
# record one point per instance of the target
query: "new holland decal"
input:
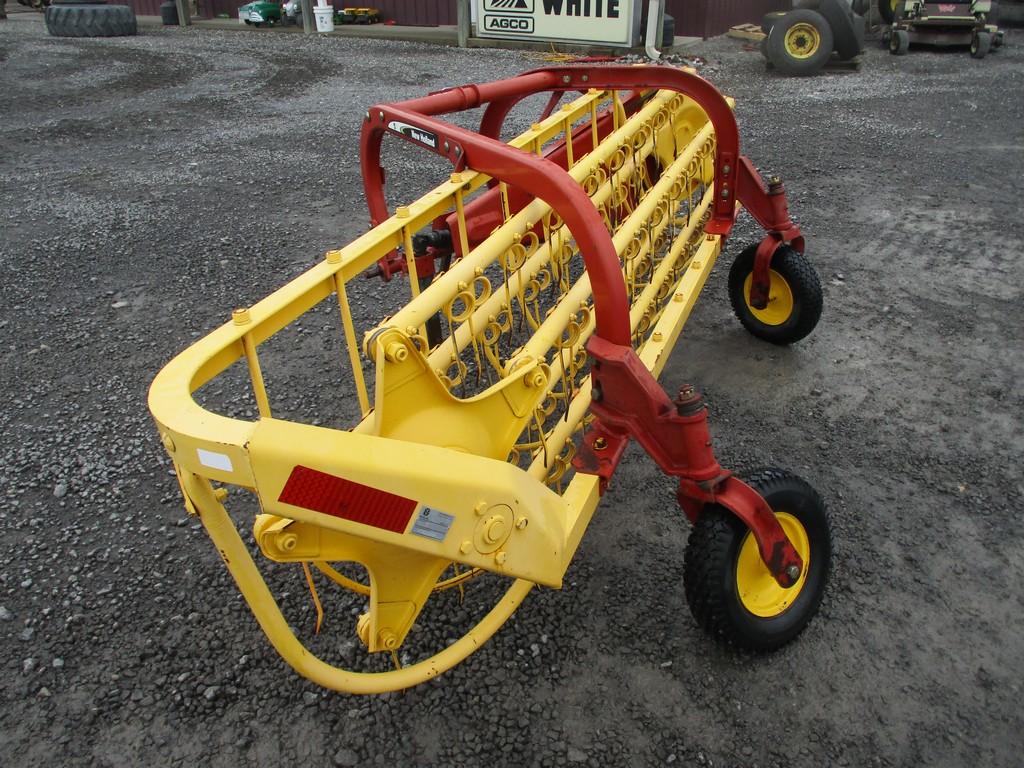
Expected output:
(420, 135)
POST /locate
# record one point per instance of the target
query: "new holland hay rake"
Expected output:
(550, 278)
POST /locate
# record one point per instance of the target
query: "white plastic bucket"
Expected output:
(324, 18)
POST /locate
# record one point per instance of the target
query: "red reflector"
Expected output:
(336, 496)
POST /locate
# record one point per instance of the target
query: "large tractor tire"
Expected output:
(799, 43)
(67, 18)
(839, 16)
(769, 19)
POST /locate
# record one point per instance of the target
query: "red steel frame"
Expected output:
(627, 399)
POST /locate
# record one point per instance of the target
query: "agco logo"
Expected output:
(521, 24)
(509, 6)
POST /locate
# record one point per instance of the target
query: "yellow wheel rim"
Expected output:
(759, 592)
(802, 40)
(780, 299)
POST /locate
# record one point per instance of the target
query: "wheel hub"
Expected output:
(802, 41)
(780, 299)
(758, 590)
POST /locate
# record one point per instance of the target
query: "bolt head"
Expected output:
(793, 572)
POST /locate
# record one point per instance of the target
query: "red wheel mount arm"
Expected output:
(629, 402)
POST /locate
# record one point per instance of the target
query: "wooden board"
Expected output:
(834, 64)
(746, 32)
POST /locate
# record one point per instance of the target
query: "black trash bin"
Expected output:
(169, 13)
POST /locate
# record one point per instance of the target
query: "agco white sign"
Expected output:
(611, 22)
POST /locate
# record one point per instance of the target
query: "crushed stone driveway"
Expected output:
(151, 184)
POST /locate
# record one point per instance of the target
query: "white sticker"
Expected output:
(215, 460)
(432, 523)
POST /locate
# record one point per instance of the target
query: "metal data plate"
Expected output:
(432, 524)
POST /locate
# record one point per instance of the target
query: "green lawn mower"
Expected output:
(801, 41)
(967, 23)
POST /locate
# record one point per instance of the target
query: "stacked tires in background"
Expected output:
(89, 18)
(801, 41)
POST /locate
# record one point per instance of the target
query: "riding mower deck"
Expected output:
(943, 24)
(802, 41)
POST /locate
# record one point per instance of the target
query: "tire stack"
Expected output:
(89, 18)
(800, 42)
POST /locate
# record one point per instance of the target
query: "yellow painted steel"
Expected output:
(802, 41)
(780, 299)
(481, 426)
(758, 590)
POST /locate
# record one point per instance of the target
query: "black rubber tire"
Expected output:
(769, 19)
(776, 45)
(860, 28)
(840, 18)
(981, 43)
(709, 573)
(899, 42)
(91, 20)
(886, 11)
(806, 4)
(803, 283)
(860, 7)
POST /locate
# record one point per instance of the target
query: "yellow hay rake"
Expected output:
(549, 279)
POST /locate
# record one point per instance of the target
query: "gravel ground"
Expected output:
(151, 184)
